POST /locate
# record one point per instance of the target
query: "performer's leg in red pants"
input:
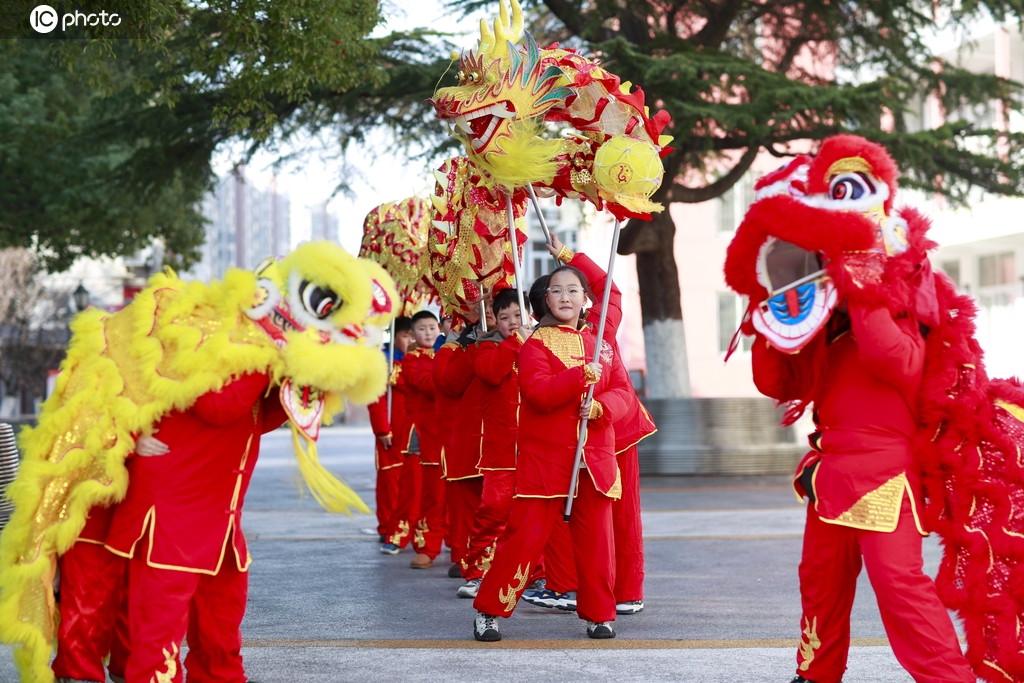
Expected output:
(466, 501)
(403, 519)
(559, 563)
(432, 525)
(164, 603)
(520, 547)
(387, 495)
(491, 517)
(629, 531)
(919, 628)
(92, 586)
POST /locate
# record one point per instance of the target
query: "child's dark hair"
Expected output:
(423, 315)
(403, 324)
(536, 296)
(506, 298)
(575, 271)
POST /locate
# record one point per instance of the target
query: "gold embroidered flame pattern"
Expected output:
(510, 596)
(400, 533)
(171, 664)
(809, 643)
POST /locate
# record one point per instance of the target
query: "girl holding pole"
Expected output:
(555, 376)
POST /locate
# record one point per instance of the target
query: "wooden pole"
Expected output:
(597, 357)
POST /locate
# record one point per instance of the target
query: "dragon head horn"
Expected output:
(506, 31)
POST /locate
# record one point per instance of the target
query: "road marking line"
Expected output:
(578, 644)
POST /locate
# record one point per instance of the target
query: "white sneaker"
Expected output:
(485, 628)
(469, 589)
(631, 607)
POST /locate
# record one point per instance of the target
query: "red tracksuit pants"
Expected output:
(432, 524)
(407, 510)
(92, 601)
(463, 502)
(521, 545)
(387, 495)
(629, 531)
(491, 517)
(165, 604)
(629, 540)
(919, 628)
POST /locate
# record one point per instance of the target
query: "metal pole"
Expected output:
(540, 214)
(524, 318)
(391, 365)
(483, 315)
(597, 356)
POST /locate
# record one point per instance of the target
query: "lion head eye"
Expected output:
(850, 186)
(318, 301)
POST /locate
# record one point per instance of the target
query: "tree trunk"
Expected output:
(668, 371)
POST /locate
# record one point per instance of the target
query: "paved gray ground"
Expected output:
(721, 592)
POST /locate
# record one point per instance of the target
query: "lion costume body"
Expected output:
(311, 321)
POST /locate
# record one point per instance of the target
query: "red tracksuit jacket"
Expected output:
(495, 365)
(419, 374)
(463, 451)
(553, 383)
(190, 500)
(865, 398)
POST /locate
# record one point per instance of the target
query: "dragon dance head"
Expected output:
(821, 229)
(395, 236)
(546, 118)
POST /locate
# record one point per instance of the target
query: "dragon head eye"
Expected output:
(850, 186)
(318, 301)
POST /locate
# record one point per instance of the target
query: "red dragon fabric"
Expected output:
(837, 207)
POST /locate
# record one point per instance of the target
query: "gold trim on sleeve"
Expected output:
(565, 254)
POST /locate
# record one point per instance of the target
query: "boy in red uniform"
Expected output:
(462, 452)
(389, 458)
(495, 365)
(554, 380)
(431, 523)
(398, 528)
(180, 523)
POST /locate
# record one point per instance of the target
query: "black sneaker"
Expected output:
(601, 629)
(390, 549)
(383, 539)
(455, 571)
(631, 607)
(485, 628)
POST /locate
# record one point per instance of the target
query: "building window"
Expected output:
(730, 312)
(952, 269)
(996, 269)
(733, 204)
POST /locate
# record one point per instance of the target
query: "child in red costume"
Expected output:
(495, 365)
(448, 390)
(462, 451)
(431, 523)
(389, 458)
(180, 523)
(865, 410)
(398, 528)
(632, 428)
(554, 376)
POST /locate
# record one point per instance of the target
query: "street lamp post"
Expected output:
(81, 297)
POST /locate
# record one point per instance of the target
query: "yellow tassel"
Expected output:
(527, 158)
(332, 494)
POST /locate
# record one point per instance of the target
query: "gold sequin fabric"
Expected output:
(566, 345)
(878, 510)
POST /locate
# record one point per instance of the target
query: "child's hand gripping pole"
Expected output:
(523, 315)
(597, 358)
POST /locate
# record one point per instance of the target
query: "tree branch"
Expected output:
(695, 195)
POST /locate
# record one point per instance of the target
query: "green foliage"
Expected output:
(740, 75)
(108, 133)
